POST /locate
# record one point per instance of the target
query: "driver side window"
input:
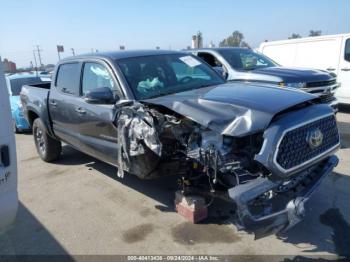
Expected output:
(210, 59)
(96, 76)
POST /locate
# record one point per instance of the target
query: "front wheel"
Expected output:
(49, 149)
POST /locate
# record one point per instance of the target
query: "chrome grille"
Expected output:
(321, 83)
(294, 149)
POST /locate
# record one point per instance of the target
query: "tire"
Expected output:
(48, 148)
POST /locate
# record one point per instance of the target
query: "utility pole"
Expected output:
(36, 64)
(73, 51)
(39, 56)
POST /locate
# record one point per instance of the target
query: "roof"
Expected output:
(304, 39)
(220, 48)
(115, 55)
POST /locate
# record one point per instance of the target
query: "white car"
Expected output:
(8, 160)
(329, 52)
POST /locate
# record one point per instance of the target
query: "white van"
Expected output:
(8, 160)
(330, 52)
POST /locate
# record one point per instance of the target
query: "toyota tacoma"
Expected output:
(159, 113)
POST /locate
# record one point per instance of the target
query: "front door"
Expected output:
(343, 93)
(97, 132)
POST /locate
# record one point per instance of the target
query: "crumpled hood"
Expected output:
(234, 109)
(295, 74)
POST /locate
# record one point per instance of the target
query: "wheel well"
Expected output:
(31, 117)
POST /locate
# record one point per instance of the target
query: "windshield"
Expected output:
(152, 76)
(16, 84)
(246, 59)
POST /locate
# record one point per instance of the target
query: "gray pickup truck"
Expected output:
(160, 113)
(244, 64)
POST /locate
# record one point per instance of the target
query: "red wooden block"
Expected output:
(193, 208)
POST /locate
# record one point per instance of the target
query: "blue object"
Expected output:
(14, 84)
(19, 122)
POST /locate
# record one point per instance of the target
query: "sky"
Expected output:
(144, 24)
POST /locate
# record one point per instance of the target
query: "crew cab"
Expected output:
(159, 113)
(244, 64)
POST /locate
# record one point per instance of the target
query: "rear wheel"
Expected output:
(49, 149)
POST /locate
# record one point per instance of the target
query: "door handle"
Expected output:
(80, 111)
(345, 69)
(330, 69)
(53, 103)
(4, 156)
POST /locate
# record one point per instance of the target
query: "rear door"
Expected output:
(62, 103)
(343, 93)
(97, 133)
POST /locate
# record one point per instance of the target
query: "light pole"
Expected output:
(39, 56)
(36, 65)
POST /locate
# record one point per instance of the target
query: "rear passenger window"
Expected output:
(347, 50)
(68, 78)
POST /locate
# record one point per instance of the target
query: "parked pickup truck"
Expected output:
(158, 113)
(244, 64)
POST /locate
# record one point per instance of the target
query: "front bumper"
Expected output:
(292, 210)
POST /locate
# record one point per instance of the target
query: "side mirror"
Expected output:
(220, 70)
(101, 95)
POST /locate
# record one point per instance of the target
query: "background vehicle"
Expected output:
(244, 64)
(156, 113)
(8, 161)
(329, 52)
(14, 84)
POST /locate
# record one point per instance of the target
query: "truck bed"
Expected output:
(35, 100)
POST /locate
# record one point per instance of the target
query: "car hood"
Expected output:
(295, 74)
(234, 109)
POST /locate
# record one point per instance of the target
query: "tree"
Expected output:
(315, 32)
(236, 39)
(294, 35)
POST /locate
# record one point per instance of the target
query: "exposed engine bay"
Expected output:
(156, 141)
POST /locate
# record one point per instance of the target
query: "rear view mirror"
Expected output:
(101, 95)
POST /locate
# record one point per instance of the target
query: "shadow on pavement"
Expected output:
(28, 236)
(325, 226)
(344, 108)
(344, 130)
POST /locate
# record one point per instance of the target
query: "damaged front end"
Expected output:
(267, 174)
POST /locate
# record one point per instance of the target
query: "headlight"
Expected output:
(296, 85)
